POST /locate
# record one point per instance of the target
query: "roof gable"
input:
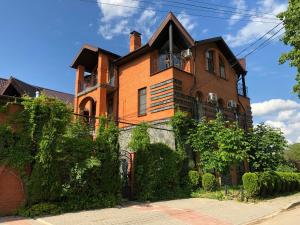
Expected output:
(171, 18)
(224, 48)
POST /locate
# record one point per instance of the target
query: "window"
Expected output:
(222, 68)
(142, 102)
(210, 61)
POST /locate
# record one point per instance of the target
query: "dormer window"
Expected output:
(209, 55)
(222, 68)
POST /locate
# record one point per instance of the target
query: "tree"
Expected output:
(293, 152)
(266, 147)
(291, 18)
(219, 143)
(181, 124)
(140, 138)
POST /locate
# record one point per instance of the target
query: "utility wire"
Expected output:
(259, 46)
(166, 11)
(204, 8)
(254, 42)
(122, 121)
(229, 7)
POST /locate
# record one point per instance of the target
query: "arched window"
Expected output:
(199, 113)
(209, 57)
(222, 68)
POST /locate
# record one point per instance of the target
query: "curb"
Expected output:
(264, 218)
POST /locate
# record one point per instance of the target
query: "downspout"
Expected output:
(238, 97)
(171, 44)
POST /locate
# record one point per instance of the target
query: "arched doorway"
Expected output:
(87, 108)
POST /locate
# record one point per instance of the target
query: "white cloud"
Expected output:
(240, 6)
(108, 30)
(280, 113)
(252, 30)
(273, 106)
(115, 21)
(111, 10)
(187, 21)
(146, 21)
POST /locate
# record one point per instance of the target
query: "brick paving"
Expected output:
(193, 211)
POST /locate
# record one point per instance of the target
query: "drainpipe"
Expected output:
(238, 97)
(171, 43)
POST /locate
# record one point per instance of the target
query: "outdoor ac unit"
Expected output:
(212, 97)
(186, 53)
(231, 104)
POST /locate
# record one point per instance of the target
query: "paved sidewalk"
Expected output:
(194, 211)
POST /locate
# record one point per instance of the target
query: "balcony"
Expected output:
(167, 60)
(241, 91)
(89, 82)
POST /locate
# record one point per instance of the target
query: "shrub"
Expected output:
(157, 172)
(194, 179)
(40, 210)
(251, 184)
(270, 183)
(209, 182)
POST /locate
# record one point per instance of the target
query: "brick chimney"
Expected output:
(135, 41)
(242, 62)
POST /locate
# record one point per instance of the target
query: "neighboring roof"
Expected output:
(27, 89)
(88, 56)
(236, 65)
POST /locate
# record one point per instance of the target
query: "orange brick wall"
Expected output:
(12, 194)
(132, 77)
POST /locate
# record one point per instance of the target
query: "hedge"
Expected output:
(209, 182)
(157, 172)
(194, 179)
(270, 183)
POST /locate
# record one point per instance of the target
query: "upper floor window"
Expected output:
(142, 101)
(222, 68)
(209, 55)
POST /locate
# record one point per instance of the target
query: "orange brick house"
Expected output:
(171, 70)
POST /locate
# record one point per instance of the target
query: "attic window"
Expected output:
(209, 56)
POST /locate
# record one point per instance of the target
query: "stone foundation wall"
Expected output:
(164, 135)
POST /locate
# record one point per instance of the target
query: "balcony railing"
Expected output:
(241, 90)
(165, 61)
(88, 82)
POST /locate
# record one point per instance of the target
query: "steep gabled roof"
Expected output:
(27, 89)
(88, 56)
(224, 48)
(163, 28)
(171, 18)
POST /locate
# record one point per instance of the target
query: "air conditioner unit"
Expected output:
(212, 97)
(186, 53)
(231, 104)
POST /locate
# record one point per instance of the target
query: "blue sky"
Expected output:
(39, 39)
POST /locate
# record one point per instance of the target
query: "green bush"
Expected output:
(270, 183)
(208, 182)
(251, 184)
(40, 209)
(194, 179)
(157, 172)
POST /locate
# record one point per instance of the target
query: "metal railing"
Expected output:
(88, 82)
(165, 61)
(241, 90)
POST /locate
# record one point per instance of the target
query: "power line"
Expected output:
(230, 7)
(206, 8)
(253, 43)
(270, 41)
(259, 46)
(122, 121)
(166, 11)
